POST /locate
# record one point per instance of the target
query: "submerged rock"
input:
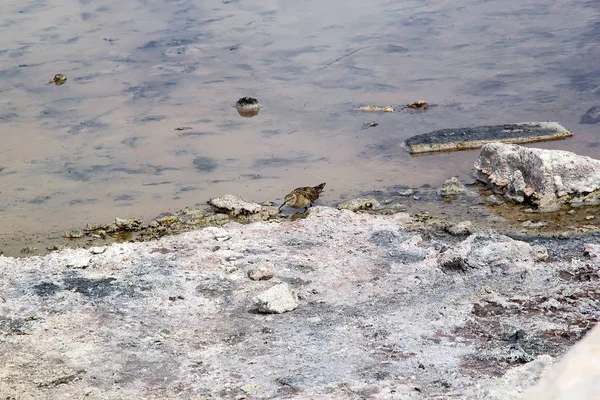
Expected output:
(473, 138)
(452, 187)
(592, 116)
(546, 178)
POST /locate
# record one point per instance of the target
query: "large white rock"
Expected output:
(277, 300)
(547, 178)
(576, 376)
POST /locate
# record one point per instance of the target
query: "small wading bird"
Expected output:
(303, 197)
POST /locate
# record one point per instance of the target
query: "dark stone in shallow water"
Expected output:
(205, 164)
(592, 116)
(473, 138)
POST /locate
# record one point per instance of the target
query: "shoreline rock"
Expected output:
(545, 178)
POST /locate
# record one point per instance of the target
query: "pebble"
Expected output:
(494, 200)
(534, 225)
(278, 299)
(261, 272)
(462, 228)
(406, 193)
(98, 249)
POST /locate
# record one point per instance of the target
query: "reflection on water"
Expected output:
(106, 143)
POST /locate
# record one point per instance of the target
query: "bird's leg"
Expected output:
(305, 209)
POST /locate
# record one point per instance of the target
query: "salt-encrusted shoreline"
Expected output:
(383, 312)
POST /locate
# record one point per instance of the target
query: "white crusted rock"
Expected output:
(547, 178)
(235, 205)
(278, 299)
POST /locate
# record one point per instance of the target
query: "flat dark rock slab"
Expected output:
(474, 138)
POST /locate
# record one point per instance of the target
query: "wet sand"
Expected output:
(104, 144)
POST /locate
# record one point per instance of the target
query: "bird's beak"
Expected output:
(281, 206)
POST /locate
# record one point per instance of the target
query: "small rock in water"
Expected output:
(279, 299)
(360, 204)
(59, 79)
(406, 193)
(371, 108)
(53, 248)
(418, 105)
(452, 187)
(247, 107)
(494, 200)
(534, 225)
(589, 217)
(462, 228)
(74, 235)
(28, 250)
(261, 272)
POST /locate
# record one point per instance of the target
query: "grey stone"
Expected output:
(452, 187)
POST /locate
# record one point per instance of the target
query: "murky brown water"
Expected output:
(104, 144)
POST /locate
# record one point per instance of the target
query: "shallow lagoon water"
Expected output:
(105, 143)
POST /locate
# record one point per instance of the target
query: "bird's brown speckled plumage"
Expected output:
(303, 197)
